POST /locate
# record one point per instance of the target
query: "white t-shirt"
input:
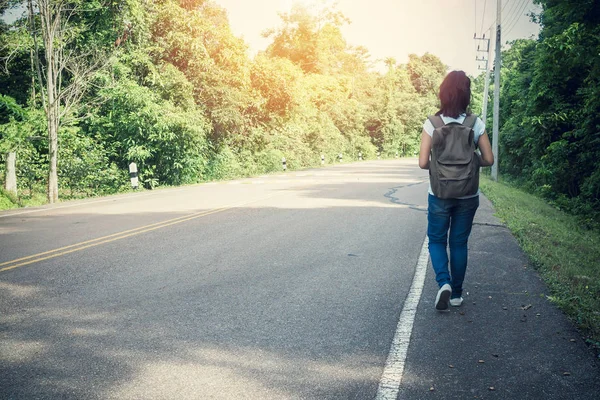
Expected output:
(478, 130)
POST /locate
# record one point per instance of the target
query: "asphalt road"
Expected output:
(287, 286)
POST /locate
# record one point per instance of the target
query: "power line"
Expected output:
(478, 58)
(482, 17)
(503, 8)
(516, 13)
(510, 28)
(509, 13)
(491, 25)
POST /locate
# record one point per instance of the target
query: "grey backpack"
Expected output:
(454, 167)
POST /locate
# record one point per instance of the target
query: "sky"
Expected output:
(397, 28)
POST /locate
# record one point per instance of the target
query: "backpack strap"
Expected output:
(436, 121)
(470, 120)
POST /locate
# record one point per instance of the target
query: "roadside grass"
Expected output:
(34, 199)
(37, 197)
(7, 200)
(566, 255)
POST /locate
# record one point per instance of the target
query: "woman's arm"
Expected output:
(425, 150)
(487, 157)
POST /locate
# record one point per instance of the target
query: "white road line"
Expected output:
(85, 202)
(389, 385)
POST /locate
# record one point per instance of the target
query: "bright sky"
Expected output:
(397, 28)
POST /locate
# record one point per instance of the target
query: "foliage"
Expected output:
(85, 169)
(7, 200)
(312, 41)
(12, 117)
(277, 83)
(550, 125)
(32, 165)
(166, 142)
(181, 98)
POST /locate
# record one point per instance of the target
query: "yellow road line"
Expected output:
(88, 241)
(117, 236)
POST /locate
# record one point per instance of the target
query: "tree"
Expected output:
(426, 73)
(10, 116)
(199, 42)
(311, 40)
(277, 82)
(64, 68)
(550, 99)
(11, 112)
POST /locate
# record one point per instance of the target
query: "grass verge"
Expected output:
(566, 255)
(7, 200)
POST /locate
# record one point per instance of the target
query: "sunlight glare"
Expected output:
(313, 5)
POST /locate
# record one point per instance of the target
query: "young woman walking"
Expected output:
(452, 215)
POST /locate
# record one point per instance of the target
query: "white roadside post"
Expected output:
(378, 155)
(340, 156)
(396, 154)
(133, 174)
(360, 156)
(284, 163)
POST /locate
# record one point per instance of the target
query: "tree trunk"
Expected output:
(53, 124)
(51, 27)
(52, 154)
(10, 183)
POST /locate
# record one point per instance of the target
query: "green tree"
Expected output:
(11, 136)
(167, 142)
(550, 102)
(311, 40)
(426, 73)
(65, 63)
(199, 42)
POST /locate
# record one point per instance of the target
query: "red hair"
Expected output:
(455, 94)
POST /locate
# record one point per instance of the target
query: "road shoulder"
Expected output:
(506, 341)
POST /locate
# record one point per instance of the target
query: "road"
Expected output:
(288, 286)
(284, 286)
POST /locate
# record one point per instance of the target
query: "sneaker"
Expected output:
(456, 302)
(443, 295)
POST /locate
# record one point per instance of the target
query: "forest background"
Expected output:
(89, 86)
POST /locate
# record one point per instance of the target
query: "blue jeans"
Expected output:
(457, 216)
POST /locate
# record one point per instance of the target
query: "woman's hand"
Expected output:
(487, 156)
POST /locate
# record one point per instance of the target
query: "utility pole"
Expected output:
(487, 72)
(497, 92)
(486, 95)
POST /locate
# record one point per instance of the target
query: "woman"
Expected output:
(454, 214)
